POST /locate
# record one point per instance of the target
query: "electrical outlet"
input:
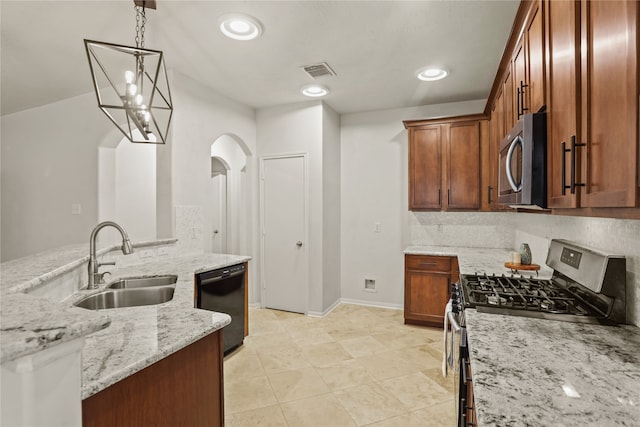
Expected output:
(146, 254)
(163, 251)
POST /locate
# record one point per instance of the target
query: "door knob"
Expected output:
(299, 244)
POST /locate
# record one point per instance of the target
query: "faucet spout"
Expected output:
(95, 278)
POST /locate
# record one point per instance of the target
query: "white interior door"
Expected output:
(219, 214)
(285, 267)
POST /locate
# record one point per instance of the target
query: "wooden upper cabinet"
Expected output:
(520, 81)
(609, 108)
(593, 92)
(425, 176)
(562, 99)
(445, 163)
(463, 162)
(508, 90)
(535, 92)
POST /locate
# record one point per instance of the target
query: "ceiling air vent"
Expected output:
(318, 70)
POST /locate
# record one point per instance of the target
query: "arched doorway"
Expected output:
(228, 188)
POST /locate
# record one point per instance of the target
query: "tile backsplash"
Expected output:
(509, 230)
(468, 229)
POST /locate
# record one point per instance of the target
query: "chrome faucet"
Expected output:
(96, 278)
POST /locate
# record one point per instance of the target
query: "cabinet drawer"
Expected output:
(428, 263)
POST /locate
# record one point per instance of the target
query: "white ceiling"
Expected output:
(375, 47)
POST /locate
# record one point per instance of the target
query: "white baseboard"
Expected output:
(372, 304)
(324, 313)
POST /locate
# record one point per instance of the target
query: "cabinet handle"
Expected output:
(489, 194)
(518, 102)
(522, 107)
(439, 197)
(463, 368)
(448, 196)
(574, 146)
(564, 168)
(431, 264)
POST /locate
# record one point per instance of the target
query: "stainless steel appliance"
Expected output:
(223, 290)
(587, 285)
(522, 178)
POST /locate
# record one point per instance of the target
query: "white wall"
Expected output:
(374, 190)
(331, 257)
(49, 162)
(201, 116)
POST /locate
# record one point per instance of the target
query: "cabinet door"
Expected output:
(508, 90)
(535, 57)
(609, 103)
(562, 89)
(425, 174)
(495, 136)
(426, 295)
(463, 162)
(520, 80)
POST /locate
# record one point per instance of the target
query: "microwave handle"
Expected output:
(512, 183)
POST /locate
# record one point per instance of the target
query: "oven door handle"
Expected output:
(455, 329)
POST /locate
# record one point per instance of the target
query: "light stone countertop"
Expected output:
(529, 372)
(118, 342)
(476, 260)
(538, 372)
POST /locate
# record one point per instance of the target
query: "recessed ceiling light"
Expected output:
(430, 74)
(239, 26)
(315, 90)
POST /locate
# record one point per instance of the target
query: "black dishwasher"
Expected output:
(222, 290)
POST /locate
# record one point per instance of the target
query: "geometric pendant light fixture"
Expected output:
(131, 84)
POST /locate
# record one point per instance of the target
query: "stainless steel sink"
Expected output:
(143, 282)
(127, 298)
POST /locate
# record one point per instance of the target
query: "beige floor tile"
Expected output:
(396, 340)
(440, 415)
(420, 356)
(276, 359)
(345, 374)
(325, 354)
(269, 416)
(318, 411)
(435, 374)
(266, 341)
(370, 403)
(247, 393)
(242, 363)
(309, 336)
(297, 384)
(416, 391)
(405, 420)
(387, 365)
(363, 346)
(265, 327)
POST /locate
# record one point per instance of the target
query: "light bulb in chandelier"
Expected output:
(132, 89)
(129, 76)
(139, 100)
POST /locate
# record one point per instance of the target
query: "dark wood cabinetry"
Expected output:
(184, 388)
(444, 163)
(593, 104)
(427, 280)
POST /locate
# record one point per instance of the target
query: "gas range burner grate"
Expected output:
(520, 293)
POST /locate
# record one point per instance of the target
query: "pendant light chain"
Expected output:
(141, 20)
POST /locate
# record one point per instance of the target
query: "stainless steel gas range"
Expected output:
(587, 285)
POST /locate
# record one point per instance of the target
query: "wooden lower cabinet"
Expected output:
(427, 281)
(183, 389)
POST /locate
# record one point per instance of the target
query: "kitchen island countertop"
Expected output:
(118, 342)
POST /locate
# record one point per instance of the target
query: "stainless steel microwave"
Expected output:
(522, 178)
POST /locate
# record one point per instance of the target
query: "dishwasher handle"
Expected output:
(214, 276)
